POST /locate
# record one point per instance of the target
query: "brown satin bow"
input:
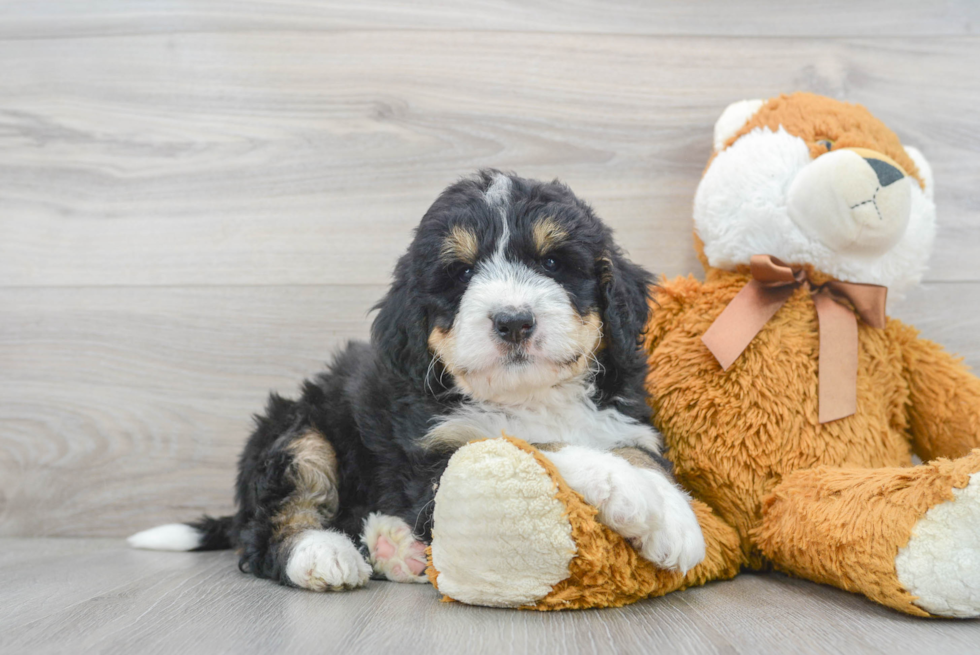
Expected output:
(772, 284)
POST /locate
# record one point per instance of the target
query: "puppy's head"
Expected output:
(510, 288)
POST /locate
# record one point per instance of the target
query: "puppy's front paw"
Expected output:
(324, 560)
(642, 505)
(672, 537)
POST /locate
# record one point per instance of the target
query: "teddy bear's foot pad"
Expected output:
(393, 550)
(500, 535)
(941, 563)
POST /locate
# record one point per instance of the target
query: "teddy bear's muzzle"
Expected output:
(852, 200)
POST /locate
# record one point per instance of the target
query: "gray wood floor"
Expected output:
(96, 596)
(201, 199)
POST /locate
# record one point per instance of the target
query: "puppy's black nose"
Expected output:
(514, 327)
(886, 172)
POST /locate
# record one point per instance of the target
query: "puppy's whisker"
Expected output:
(415, 528)
(426, 384)
(595, 366)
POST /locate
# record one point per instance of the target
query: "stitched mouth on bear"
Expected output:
(852, 200)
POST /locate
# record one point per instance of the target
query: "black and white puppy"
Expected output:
(512, 311)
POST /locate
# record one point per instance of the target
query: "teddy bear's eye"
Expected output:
(826, 143)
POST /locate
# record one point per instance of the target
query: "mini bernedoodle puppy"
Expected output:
(512, 311)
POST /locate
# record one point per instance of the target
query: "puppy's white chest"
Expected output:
(575, 421)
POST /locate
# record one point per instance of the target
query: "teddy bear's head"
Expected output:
(818, 183)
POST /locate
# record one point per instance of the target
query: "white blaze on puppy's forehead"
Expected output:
(558, 348)
(497, 196)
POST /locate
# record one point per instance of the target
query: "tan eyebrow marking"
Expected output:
(547, 234)
(460, 245)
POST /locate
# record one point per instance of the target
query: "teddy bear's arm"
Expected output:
(670, 300)
(944, 397)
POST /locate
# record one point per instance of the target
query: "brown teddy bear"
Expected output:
(790, 405)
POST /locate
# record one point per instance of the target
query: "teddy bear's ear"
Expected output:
(925, 170)
(733, 118)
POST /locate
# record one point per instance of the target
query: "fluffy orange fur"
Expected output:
(829, 502)
(816, 118)
(748, 443)
(844, 526)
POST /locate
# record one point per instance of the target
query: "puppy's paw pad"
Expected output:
(383, 549)
(416, 559)
(323, 560)
(393, 550)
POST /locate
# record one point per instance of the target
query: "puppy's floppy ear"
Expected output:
(624, 290)
(400, 330)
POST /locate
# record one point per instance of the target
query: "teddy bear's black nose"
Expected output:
(886, 172)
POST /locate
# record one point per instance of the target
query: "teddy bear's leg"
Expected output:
(908, 538)
(509, 532)
(944, 397)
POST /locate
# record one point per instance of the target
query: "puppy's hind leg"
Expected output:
(301, 550)
(394, 551)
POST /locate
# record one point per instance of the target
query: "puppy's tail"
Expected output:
(207, 533)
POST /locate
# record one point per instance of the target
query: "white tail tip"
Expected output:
(173, 536)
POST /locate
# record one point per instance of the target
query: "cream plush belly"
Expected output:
(500, 536)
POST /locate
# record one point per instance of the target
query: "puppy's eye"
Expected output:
(550, 264)
(826, 143)
(463, 274)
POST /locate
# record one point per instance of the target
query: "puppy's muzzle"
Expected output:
(513, 326)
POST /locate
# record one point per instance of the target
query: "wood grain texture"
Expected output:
(95, 596)
(123, 407)
(126, 407)
(199, 201)
(23, 19)
(266, 158)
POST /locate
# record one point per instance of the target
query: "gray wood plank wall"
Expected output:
(200, 200)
